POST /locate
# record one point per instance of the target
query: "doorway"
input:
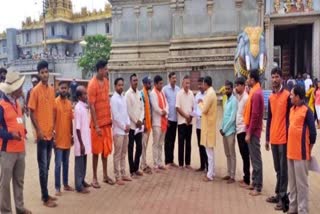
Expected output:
(293, 49)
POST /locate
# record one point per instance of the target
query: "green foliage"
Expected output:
(97, 47)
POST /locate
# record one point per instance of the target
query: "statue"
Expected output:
(251, 52)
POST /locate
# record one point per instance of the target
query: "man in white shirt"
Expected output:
(136, 114)
(184, 106)
(120, 129)
(160, 109)
(242, 97)
(202, 150)
(307, 81)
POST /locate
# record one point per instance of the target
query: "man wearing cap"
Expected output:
(145, 94)
(12, 144)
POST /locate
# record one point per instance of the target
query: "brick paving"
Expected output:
(172, 191)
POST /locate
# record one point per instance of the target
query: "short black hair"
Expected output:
(208, 80)
(157, 79)
(228, 83)
(200, 79)
(276, 70)
(186, 77)
(63, 82)
(3, 70)
(78, 93)
(101, 64)
(171, 74)
(299, 91)
(254, 74)
(42, 64)
(117, 80)
(132, 75)
(240, 81)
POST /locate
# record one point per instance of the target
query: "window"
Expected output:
(27, 37)
(83, 30)
(52, 31)
(68, 31)
(107, 28)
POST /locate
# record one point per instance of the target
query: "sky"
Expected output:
(13, 12)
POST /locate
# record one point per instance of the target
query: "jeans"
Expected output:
(44, 151)
(61, 157)
(80, 170)
(279, 153)
(202, 152)
(256, 161)
(134, 160)
(169, 140)
(244, 151)
(184, 138)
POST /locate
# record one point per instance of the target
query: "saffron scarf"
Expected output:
(147, 110)
(162, 106)
(247, 110)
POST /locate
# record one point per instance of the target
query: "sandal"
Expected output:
(108, 180)
(272, 199)
(95, 185)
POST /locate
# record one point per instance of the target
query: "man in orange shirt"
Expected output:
(302, 135)
(276, 135)
(99, 103)
(41, 105)
(63, 138)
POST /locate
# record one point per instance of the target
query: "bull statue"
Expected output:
(251, 52)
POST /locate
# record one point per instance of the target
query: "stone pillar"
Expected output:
(269, 37)
(137, 13)
(150, 14)
(210, 5)
(315, 49)
(116, 22)
(260, 13)
(238, 9)
(12, 50)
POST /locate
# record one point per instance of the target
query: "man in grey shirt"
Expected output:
(170, 91)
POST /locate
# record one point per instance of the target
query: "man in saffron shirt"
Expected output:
(253, 116)
(302, 136)
(99, 103)
(276, 134)
(63, 138)
(41, 105)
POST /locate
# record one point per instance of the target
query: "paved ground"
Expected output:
(173, 191)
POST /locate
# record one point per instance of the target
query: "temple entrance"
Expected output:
(293, 49)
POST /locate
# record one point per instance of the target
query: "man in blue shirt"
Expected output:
(170, 91)
(228, 130)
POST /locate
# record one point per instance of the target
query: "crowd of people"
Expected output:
(98, 125)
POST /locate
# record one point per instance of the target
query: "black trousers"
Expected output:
(279, 153)
(169, 140)
(134, 162)
(184, 138)
(244, 151)
(202, 152)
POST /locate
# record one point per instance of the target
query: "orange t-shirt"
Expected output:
(42, 103)
(63, 126)
(98, 96)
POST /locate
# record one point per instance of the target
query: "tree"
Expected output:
(95, 48)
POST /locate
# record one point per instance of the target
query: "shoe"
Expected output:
(250, 187)
(162, 167)
(244, 185)
(173, 165)
(180, 167)
(134, 176)
(231, 181)
(206, 179)
(139, 173)
(254, 193)
(26, 211)
(189, 167)
(86, 185)
(199, 170)
(95, 185)
(147, 170)
(68, 188)
(273, 200)
(120, 182)
(50, 204)
(58, 193)
(108, 180)
(278, 207)
(226, 178)
(84, 191)
(50, 198)
(126, 178)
